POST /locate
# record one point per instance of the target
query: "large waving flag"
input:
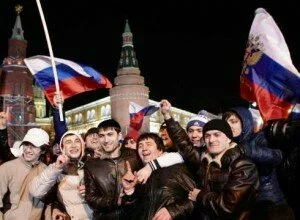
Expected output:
(137, 114)
(73, 78)
(269, 77)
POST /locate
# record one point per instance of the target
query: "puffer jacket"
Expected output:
(167, 187)
(103, 181)
(228, 187)
(256, 147)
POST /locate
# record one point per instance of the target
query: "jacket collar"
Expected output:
(28, 164)
(216, 159)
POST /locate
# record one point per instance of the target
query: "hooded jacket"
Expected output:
(256, 147)
(65, 185)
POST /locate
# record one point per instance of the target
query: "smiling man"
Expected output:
(103, 176)
(65, 178)
(228, 180)
(15, 176)
(164, 195)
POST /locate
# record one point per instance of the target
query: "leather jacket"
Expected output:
(103, 181)
(166, 188)
(228, 187)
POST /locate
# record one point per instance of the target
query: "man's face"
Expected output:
(31, 153)
(93, 141)
(163, 134)
(216, 142)
(235, 124)
(148, 151)
(72, 146)
(195, 135)
(130, 143)
(109, 140)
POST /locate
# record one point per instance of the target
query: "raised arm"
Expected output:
(43, 183)
(179, 137)
(60, 127)
(165, 160)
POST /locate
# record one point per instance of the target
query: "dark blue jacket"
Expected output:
(60, 127)
(256, 147)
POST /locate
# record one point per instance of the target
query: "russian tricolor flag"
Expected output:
(269, 77)
(73, 78)
(137, 114)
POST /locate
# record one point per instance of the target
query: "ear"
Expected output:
(120, 137)
(229, 141)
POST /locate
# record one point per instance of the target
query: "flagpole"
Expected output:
(51, 56)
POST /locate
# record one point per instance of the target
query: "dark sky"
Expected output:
(189, 52)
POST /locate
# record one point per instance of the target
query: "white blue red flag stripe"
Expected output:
(269, 77)
(137, 114)
(73, 78)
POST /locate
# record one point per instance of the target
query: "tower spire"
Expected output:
(128, 57)
(17, 30)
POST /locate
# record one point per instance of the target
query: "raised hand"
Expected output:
(129, 180)
(165, 108)
(61, 161)
(57, 99)
(144, 173)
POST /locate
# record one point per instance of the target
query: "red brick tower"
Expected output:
(129, 85)
(16, 87)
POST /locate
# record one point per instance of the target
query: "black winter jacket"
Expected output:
(103, 181)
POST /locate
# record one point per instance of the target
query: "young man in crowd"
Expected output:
(103, 176)
(15, 176)
(228, 180)
(164, 196)
(65, 179)
(270, 202)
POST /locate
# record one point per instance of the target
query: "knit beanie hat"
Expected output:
(220, 125)
(198, 120)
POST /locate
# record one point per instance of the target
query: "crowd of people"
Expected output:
(214, 168)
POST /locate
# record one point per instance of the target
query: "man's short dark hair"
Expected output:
(110, 123)
(153, 136)
(92, 130)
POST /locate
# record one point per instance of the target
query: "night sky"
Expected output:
(189, 52)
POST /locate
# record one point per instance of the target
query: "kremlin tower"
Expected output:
(16, 88)
(129, 85)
